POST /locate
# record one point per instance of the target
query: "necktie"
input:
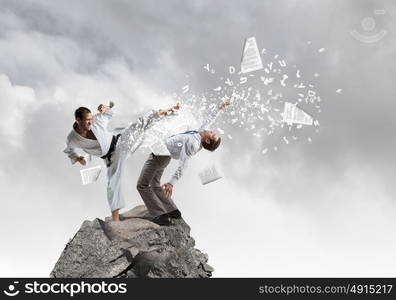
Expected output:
(187, 132)
(190, 132)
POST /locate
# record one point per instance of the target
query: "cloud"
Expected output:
(17, 102)
(300, 237)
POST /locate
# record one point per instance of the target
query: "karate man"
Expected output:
(181, 147)
(90, 134)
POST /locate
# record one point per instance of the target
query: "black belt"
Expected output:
(111, 149)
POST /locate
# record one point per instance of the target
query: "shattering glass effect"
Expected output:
(265, 88)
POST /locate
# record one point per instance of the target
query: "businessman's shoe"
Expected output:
(175, 214)
(162, 220)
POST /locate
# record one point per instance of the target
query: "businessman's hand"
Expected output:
(224, 105)
(168, 189)
(102, 108)
(81, 160)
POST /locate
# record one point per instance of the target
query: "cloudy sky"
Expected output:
(320, 208)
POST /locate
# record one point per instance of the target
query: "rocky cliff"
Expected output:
(134, 247)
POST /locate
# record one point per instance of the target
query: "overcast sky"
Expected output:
(320, 208)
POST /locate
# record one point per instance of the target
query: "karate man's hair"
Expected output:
(212, 145)
(80, 112)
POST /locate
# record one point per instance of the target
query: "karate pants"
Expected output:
(130, 140)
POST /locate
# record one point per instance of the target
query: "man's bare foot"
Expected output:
(115, 215)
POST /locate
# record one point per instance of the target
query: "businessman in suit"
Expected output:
(181, 147)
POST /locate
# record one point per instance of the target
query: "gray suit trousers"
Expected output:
(149, 186)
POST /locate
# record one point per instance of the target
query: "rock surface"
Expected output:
(134, 247)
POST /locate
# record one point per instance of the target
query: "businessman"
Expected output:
(181, 147)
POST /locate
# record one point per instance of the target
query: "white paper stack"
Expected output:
(251, 60)
(294, 115)
(90, 175)
(159, 148)
(209, 175)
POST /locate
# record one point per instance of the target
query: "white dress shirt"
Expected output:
(183, 146)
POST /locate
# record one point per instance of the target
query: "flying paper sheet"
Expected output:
(159, 148)
(293, 114)
(90, 175)
(209, 175)
(251, 60)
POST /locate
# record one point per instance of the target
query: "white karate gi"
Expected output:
(130, 140)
